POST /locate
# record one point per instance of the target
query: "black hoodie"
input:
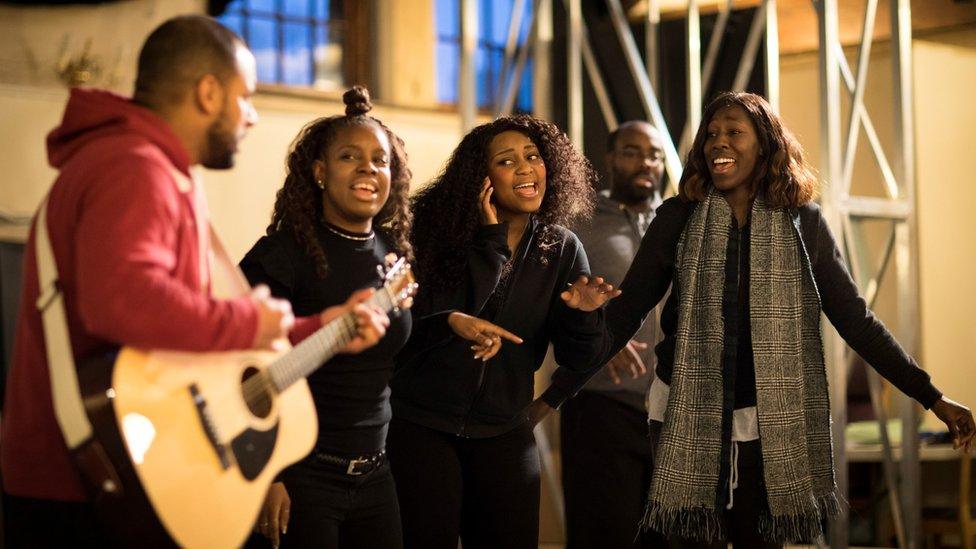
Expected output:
(438, 383)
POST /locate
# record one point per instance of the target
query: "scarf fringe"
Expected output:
(800, 528)
(705, 525)
(697, 523)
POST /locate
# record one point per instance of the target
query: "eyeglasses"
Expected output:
(655, 157)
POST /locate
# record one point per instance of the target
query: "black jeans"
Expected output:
(741, 523)
(41, 523)
(330, 509)
(607, 466)
(485, 491)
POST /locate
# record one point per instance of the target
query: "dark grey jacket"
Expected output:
(611, 240)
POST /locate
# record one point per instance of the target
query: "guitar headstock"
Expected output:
(398, 282)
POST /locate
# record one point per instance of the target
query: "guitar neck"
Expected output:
(325, 343)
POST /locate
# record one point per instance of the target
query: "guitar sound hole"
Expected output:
(256, 392)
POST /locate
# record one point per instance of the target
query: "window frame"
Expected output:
(355, 40)
(486, 47)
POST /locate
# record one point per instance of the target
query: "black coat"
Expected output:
(653, 271)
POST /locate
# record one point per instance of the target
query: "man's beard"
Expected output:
(221, 146)
(629, 192)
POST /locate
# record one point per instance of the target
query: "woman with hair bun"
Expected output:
(491, 242)
(342, 209)
(740, 415)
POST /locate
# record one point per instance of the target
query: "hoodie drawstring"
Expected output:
(734, 476)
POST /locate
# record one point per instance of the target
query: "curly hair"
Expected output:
(298, 204)
(782, 175)
(446, 210)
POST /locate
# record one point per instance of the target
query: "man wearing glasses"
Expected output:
(606, 455)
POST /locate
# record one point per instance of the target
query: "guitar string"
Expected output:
(258, 386)
(345, 326)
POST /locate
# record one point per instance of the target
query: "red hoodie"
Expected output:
(127, 246)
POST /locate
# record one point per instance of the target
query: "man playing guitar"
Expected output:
(129, 230)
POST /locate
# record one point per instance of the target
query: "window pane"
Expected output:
(482, 60)
(263, 42)
(266, 6)
(328, 56)
(494, 21)
(320, 8)
(296, 8)
(524, 101)
(233, 22)
(526, 19)
(234, 7)
(298, 55)
(447, 72)
(491, 74)
(447, 18)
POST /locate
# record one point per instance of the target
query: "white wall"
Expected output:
(945, 115)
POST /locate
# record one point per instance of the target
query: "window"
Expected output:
(296, 42)
(493, 22)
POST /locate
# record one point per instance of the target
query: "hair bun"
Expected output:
(357, 101)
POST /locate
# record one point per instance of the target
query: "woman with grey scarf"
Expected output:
(740, 415)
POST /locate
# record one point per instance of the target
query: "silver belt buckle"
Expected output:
(351, 470)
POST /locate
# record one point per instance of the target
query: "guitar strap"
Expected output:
(65, 391)
(226, 280)
(88, 453)
(69, 409)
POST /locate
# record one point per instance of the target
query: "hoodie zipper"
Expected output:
(483, 367)
(482, 371)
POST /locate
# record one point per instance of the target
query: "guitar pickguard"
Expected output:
(252, 450)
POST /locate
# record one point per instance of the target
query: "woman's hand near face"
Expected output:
(487, 212)
(487, 337)
(588, 294)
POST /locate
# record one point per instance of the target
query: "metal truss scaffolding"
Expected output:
(845, 212)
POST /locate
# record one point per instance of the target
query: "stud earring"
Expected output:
(320, 183)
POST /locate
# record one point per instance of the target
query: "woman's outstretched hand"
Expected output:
(588, 294)
(959, 420)
(487, 337)
(487, 213)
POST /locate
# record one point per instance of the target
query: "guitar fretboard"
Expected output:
(325, 343)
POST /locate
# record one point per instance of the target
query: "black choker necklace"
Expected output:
(347, 236)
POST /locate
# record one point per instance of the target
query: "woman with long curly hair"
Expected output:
(740, 417)
(491, 243)
(344, 206)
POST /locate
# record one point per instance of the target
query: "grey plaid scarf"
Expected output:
(791, 383)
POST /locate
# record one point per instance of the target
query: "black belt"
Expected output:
(354, 466)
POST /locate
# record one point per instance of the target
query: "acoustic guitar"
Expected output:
(190, 442)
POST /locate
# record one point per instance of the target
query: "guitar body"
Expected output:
(194, 459)
(186, 445)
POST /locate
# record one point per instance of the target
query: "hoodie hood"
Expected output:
(91, 115)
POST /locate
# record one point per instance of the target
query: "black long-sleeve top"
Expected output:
(440, 385)
(653, 272)
(351, 392)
